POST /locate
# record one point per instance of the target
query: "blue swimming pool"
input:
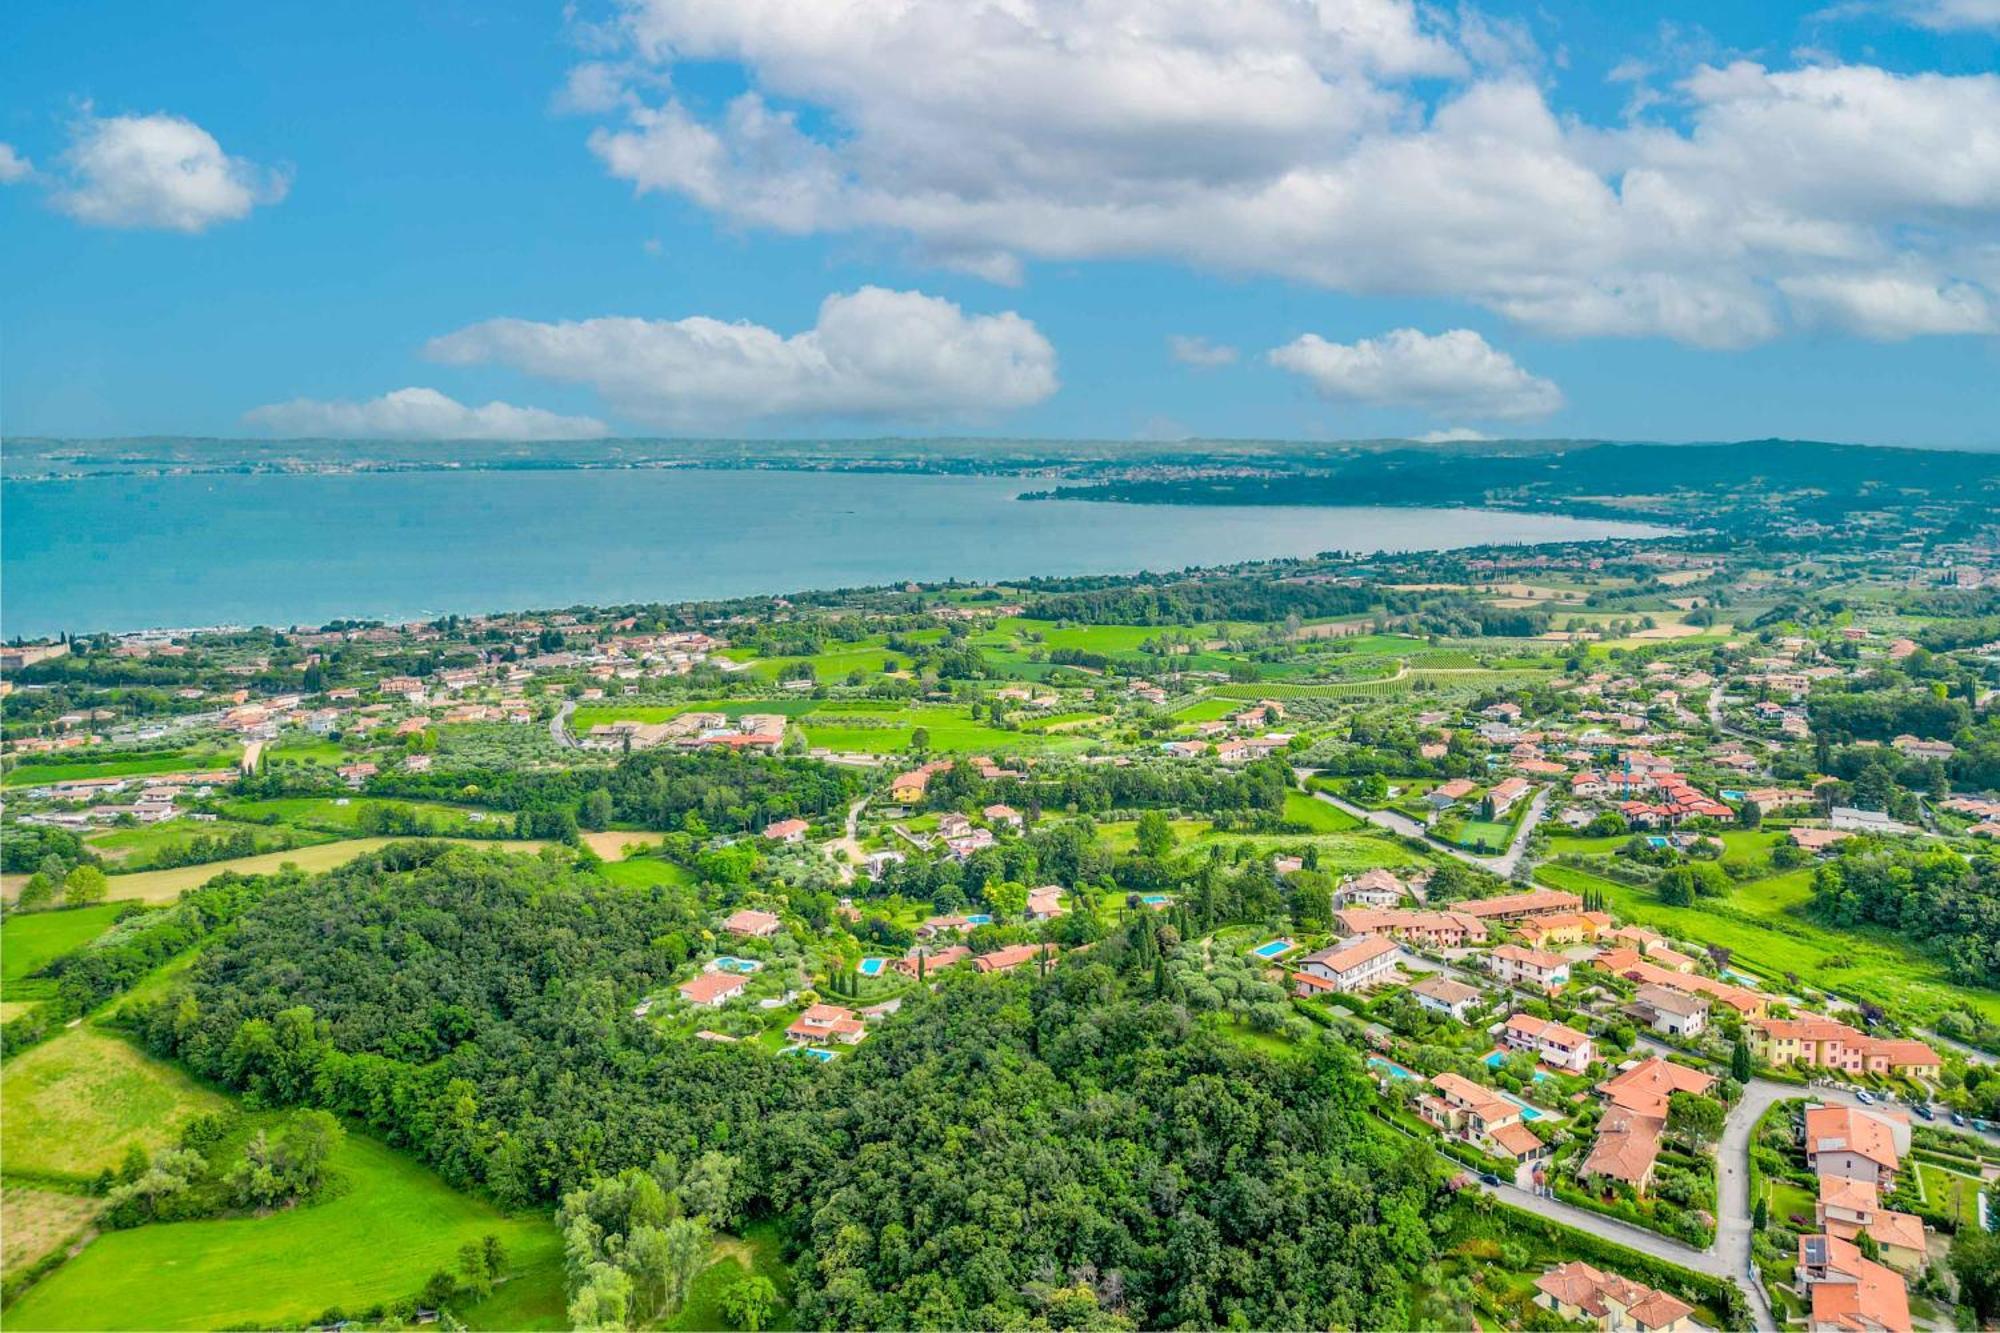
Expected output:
(1527, 1112)
(1393, 1069)
(979, 919)
(1656, 841)
(741, 966)
(819, 1053)
(871, 967)
(1273, 948)
(1156, 900)
(1728, 795)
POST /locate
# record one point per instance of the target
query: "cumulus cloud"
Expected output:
(1455, 373)
(1199, 352)
(872, 353)
(158, 171)
(1305, 140)
(418, 414)
(14, 167)
(1452, 435)
(1951, 15)
(1891, 306)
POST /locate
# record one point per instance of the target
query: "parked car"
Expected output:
(1958, 1119)
(1923, 1109)
(1489, 1178)
(1865, 1098)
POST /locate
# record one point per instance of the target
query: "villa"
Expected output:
(823, 1023)
(1556, 1045)
(1585, 1295)
(712, 990)
(1351, 966)
(1531, 968)
(752, 923)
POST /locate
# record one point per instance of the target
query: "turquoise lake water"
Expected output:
(136, 552)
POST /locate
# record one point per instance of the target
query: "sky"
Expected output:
(1128, 219)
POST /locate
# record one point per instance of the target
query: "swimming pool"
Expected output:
(1495, 1058)
(1732, 795)
(819, 1053)
(871, 967)
(740, 966)
(979, 919)
(1273, 948)
(1156, 900)
(1527, 1112)
(1395, 1070)
(1656, 841)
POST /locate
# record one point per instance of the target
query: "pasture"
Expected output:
(164, 886)
(29, 940)
(391, 1225)
(34, 1222)
(178, 761)
(71, 1106)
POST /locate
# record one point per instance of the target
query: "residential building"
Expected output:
(1855, 1144)
(1514, 906)
(1010, 957)
(1442, 995)
(787, 830)
(712, 989)
(1850, 1209)
(1556, 1045)
(1826, 1043)
(1670, 1012)
(1350, 966)
(1371, 888)
(1586, 1295)
(1530, 968)
(1429, 930)
(1045, 903)
(823, 1023)
(751, 922)
(1850, 1293)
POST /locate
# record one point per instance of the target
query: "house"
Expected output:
(1504, 794)
(1818, 840)
(1851, 1208)
(1441, 995)
(1005, 815)
(1350, 966)
(1670, 1012)
(1854, 1144)
(1646, 1086)
(1371, 888)
(787, 830)
(932, 960)
(1514, 906)
(1556, 1045)
(1450, 793)
(1850, 1293)
(1532, 968)
(1011, 957)
(1470, 1110)
(1825, 1043)
(1431, 930)
(1045, 903)
(713, 989)
(1585, 1295)
(750, 922)
(1628, 964)
(1626, 1149)
(1546, 929)
(822, 1023)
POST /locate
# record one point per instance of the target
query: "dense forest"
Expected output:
(1946, 902)
(1079, 1149)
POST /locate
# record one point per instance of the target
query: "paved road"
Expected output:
(1732, 1188)
(559, 725)
(1502, 865)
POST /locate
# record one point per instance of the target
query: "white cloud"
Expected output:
(158, 171)
(1891, 306)
(1199, 352)
(1293, 138)
(418, 414)
(872, 353)
(1950, 15)
(1455, 373)
(1452, 435)
(14, 168)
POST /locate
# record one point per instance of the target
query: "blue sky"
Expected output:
(1687, 221)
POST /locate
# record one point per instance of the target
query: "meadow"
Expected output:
(391, 1224)
(29, 940)
(178, 761)
(164, 886)
(71, 1106)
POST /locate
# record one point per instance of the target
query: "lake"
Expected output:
(118, 553)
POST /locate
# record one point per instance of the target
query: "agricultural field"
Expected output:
(1317, 815)
(137, 846)
(391, 1224)
(35, 775)
(30, 940)
(33, 1222)
(71, 1106)
(844, 728)
(164, 886)
(348, 815)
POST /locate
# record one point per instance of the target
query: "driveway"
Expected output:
(559, 725)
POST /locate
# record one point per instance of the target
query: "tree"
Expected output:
(748, 1302)
(472, 1269)
(1975, 1262)
(920, 739)
(1740, 1066)
(1695, 1118)
(1155, 835)
(38, 892)
(687, 1255)
(85, 885)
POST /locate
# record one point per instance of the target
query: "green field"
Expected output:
(35, 775)
(30, 940)
(164, 886)
(952, 730)
(326, 812)
(643, 872)
(1950, 1192)
(591, 715)
(1317, 815)
(136, 846)
(392, 1225)
(757, 1251)
(1762, 926)
(71, 1106)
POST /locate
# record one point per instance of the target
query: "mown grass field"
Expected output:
(1766, 932)
(391, 1226)
(34, 1221)
(644, 872)
(35, 775)
(137, 846)
(950, 730)
(72, 1106)
(1317, 815)
(29, 940)
(164, 886)
(327, 813)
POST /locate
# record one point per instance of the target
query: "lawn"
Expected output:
(591, 715)
(164, 886)
(29, 940)
(35, 775)
(1491, 834)
(139, 846)
(72, 1105)
(950, 729)
(1951, 1192)
(326, 812)
(392, 1226)
(1319, 816)
(643, 872)
(1759, 924)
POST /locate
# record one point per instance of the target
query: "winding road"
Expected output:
(1502, 865)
